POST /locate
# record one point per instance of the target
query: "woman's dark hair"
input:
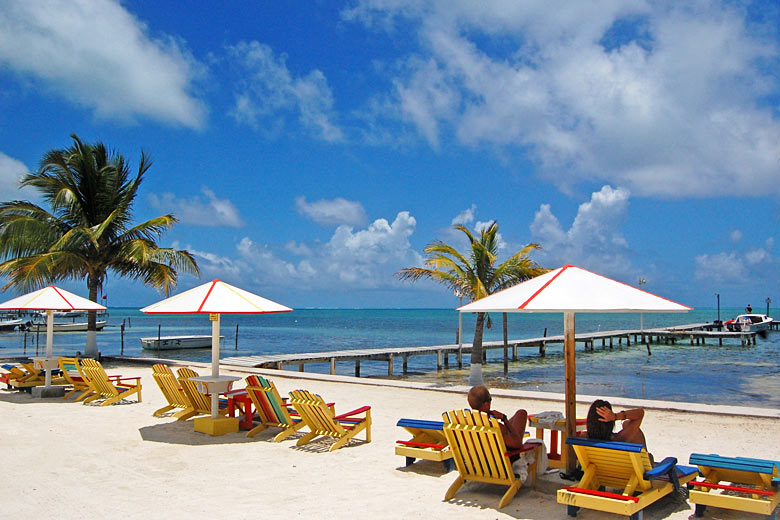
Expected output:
(599, 429)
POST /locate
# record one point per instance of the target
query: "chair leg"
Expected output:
(306, 438)
(164, 409)
(572, 511)
(699, 510)
(510, 494)
(288, 431)
(454, 487)
(257, 429)
(639, 515)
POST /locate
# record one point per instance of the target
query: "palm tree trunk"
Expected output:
(475, 371)
(91, 349)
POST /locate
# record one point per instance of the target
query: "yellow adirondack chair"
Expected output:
(171, 390)
(197, 403)
(112, 390)
(271, 409)
(322, 420)
(625, 467)
(72, 375)
(480, 454)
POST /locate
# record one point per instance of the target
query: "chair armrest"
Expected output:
(353, 412)
(665, 468)
(137, 379)
(527, 446)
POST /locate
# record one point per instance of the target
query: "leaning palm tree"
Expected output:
(86, 232)
(475, 275)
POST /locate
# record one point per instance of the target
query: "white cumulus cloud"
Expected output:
(332, 212)
(666, 98)
(98, 55)
(11, 170)
(268, 94)
(208, 210)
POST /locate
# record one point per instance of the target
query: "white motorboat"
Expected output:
(80, 326)
(10, 322)
(177, 342)
(749, 323)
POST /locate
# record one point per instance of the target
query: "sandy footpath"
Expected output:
(65, 460)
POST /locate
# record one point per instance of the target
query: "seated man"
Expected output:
(601, 423)
(512, 429)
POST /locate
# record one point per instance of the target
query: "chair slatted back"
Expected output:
(169, 386)
(316, 414)
(477, 446)
(98, 379)
(267, 401)
(616, 468)
(200, 403)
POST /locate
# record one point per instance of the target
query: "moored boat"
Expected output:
(63, 327)
(749, 323)
(177, 342)
(10, 322)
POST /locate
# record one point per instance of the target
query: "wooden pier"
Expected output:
(695, 333)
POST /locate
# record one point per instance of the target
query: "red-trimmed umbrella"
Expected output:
(50, 299)
(215, 298)
(570, 289)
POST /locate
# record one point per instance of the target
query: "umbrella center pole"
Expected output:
(214, 361)
(49, 343)
(571, 387)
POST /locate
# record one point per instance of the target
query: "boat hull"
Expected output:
(64, 327)
(749, 323)
(177, 342)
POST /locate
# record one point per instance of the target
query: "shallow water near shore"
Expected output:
(731, 374)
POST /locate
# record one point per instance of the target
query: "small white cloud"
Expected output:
(465, 217)
(735, 236)
(720, 267)
(97, 54)
(332, 212)
(296, 248)
(211, 212)
(268, 94)
(11, 170)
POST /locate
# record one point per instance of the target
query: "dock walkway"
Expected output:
(695, 333)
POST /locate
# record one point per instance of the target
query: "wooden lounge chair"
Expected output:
(112, 390)
(322, 420)
(170, 388)
(625, 467)
(72, 375)
(272, 410)
(428, 442)
(480, 454)
(197, 403)
(753, 484)
(14, 375)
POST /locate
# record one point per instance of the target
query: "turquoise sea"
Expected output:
(731, 374)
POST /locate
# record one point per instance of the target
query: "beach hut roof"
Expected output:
(571, 288)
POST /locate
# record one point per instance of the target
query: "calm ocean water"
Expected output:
(706, 374)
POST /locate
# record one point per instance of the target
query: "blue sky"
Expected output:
(312, 149)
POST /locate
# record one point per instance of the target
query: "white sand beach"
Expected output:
(68, 460)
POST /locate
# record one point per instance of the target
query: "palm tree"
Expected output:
(475, 275)
(87, 231)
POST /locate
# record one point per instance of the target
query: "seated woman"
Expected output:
(601, 423)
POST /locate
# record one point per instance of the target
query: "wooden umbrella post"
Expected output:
(571, 388)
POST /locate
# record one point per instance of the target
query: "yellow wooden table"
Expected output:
(556, 456)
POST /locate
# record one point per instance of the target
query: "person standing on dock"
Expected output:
(513, 430)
